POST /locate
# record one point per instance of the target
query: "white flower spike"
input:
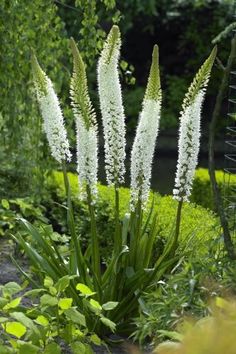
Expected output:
(189, 131)
(86, 126)
(145, 139)
(112, 108)
(53, 122)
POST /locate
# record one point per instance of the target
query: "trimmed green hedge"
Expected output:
(202, 191)
(197, 224)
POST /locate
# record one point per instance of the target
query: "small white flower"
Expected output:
(53, 122)
(189, 131)
(112, 110)
(145, 139)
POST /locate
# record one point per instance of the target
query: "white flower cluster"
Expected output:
(143, 151)
(112, 108)
(189, 131)
(189, 137)
(87, 160)
(86, 126)
(53, 122)
(146, 134)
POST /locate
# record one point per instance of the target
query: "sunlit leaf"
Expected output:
(65, 303)
(17, 329)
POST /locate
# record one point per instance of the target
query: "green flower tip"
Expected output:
(115, 33)
(38, 74)
(79, 67)
(113, 42)
(153, 91)
(201, 79)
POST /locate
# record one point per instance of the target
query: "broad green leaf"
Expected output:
(53, 290)
(108, 323)
(95, 339)
(48, 282)
(78, 348)
(27, 348)
(3, 302)
(52, 348)
(110, 305)
(95, 304)
(48, 300)
(11, 288)
(62, 283)
(65, 303)
(17, 329)
(12, 304)
(75, 316)
(84, 289)
(5, 204)
(22, 318)
(42, 320)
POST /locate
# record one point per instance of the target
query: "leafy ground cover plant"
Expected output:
(45, 320)
(132, 267)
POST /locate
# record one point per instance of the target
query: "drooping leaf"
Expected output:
(75, 316)
(95, 339)
(12, 304)
(110, 305)
(11, 288)
(48, 300)
(84, 289)
(62, 283)
(42, 320)
(108, 323)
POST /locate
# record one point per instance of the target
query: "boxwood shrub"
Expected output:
(198, 224)
(202, 191)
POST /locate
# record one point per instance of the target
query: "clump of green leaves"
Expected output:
(45, 320)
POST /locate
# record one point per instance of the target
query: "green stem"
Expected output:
(75, 243)
(135, 233)
(94, 242)
(177, 228)
(117, 235)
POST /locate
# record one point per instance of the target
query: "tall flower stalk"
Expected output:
(112, 110)
(145, 139)
(53, 124)
(189, 137)
(113, 118)
(87, 144)
(53, 121)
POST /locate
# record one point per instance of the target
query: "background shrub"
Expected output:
(202, 191)
(198, 225)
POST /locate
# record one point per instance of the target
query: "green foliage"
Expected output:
(20, 24)
(202, 190)
(182, 294)
(210, 334)
(87, 16)
(196, 221)
(12, 209)
(45, 320)
(133, 265)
